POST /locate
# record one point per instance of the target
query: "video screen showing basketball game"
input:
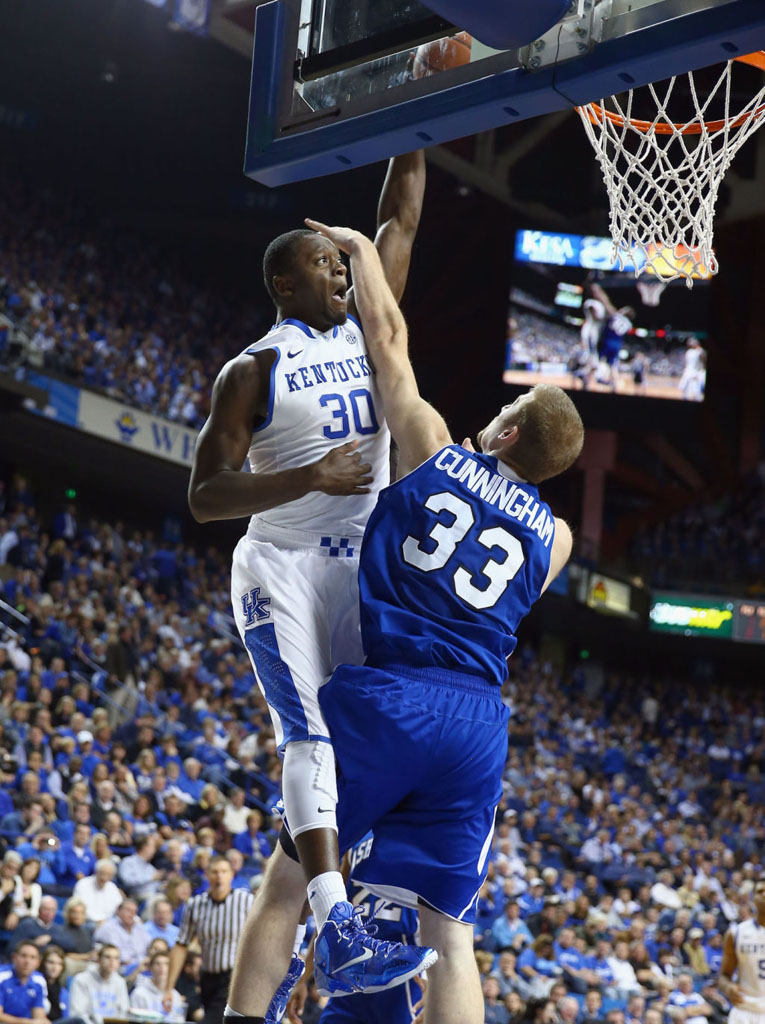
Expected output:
(579, 321)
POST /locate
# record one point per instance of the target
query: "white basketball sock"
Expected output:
(228, 1012)
(299, 936)
(324, 892)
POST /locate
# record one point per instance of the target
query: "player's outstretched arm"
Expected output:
(219, 490)
(398, 216)
(419, 431)
(728, 967)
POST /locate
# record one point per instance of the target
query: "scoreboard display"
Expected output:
(701, 615)
(749, 622)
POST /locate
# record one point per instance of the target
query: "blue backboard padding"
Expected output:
(497, 24)
(510, 95)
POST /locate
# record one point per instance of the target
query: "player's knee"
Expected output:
(452, 940)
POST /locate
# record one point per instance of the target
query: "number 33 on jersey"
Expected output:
(454, 556)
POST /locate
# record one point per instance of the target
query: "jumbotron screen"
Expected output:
(578, 320)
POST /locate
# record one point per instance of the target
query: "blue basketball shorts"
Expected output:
(420, 755)
(395, 1006)
(296, 606)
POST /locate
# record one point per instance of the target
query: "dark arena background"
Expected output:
(632, 824)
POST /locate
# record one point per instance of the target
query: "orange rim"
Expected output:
(597, 114)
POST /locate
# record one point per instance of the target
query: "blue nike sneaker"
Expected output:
(278, 1005)
(348, 959)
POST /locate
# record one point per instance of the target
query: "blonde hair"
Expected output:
(550, 434)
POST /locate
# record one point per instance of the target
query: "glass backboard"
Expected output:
(341, 83)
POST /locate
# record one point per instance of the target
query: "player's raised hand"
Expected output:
(341, 471)
(346, 239)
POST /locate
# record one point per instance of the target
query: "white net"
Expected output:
(663, 177)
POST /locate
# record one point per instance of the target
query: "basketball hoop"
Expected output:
(662, 177)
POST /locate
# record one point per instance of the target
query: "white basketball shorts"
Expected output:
(296, 605)
(739, 1016)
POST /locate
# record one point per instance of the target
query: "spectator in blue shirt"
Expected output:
(508, 930)
(22, 988)
(598, 963)
(76, 859)
(577, 975)
(161, 925)
(532, 901)
(252, 843)
(537, 960)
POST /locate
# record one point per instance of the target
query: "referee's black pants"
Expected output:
(214, 995)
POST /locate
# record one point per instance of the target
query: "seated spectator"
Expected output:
(149, 992)
(37, 930)
(508, 977)
(592, 1012)
(137, 874)
(635, 1012)
(161, 924)
(495, 1011)
(567, 1009)
(74, 937)
(144, 817)
(515, 1007)
(76, 859)
(685, 1005)
(98, 892)
(28, 892)
(99, 991)
(103, 803)
(44, 847)
(172, 816)
(52, 969)
(695, 954)
(178, 893)
(576, 974)
(126, 932)
(22, 988)
(508, 930)
(236, 814)
(189, 988)
(236, 860)
(200, 814)
(251, 842)
(537, 966)
(541, 1011)
(625, 979)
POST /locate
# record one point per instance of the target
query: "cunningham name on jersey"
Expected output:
(322, 394)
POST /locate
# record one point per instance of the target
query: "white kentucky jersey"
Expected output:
(750, 953)
(322, 394)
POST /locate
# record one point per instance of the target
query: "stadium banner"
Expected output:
(63, 404)
(135, 429)
(192, 15)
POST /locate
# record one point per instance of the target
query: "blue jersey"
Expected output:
(454, 556)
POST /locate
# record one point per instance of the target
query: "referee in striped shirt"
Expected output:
(216, 918)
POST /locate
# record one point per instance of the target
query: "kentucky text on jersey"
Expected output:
(331, 372)
(497, 490)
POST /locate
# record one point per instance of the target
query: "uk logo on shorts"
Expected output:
(254, 606)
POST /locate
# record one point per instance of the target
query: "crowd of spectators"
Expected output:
(108, 311)
(717, 545)
(135, 746)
